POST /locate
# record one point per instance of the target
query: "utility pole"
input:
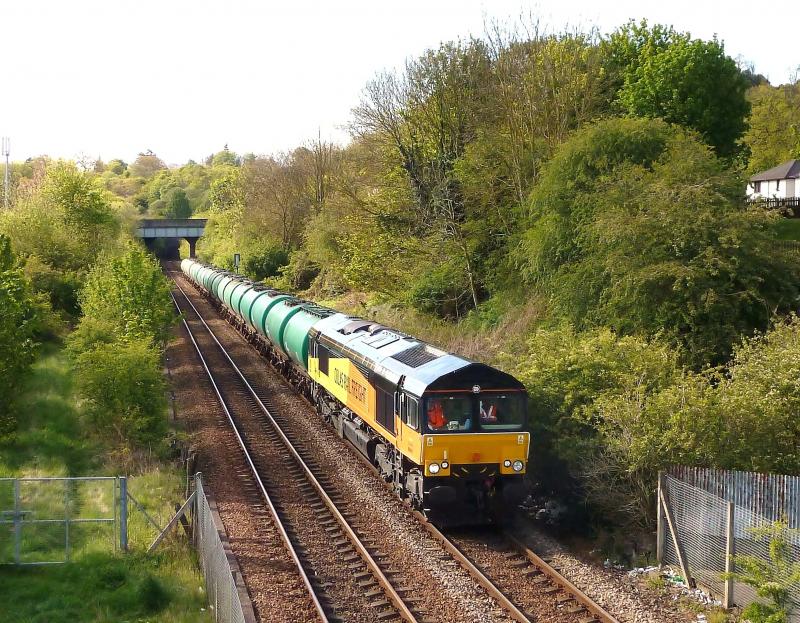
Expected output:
(6, 147)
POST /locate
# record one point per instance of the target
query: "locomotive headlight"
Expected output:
(434, 468)
(507, 463)
(517, 466)
(445, 464)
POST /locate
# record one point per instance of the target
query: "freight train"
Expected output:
(448, 433)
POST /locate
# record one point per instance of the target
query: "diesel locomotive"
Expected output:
(448, 433)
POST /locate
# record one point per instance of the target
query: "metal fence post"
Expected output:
(66, 520)
(730, 550)
(197, 514)
(123, 513)
(17, 522)
(660, 520)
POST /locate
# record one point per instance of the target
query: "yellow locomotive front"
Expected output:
(471, 446)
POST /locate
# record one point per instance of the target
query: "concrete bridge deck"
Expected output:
(190, 229)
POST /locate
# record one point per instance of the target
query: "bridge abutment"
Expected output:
(192, 246)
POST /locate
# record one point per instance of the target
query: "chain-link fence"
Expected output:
(225, 594)
(698, 530)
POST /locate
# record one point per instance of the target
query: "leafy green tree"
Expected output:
(682, 80)
(124, 387)
(773, 135)
(224, 158)
(177, 204)
(17, 327)
(117, 166)
(637, 226)
(59, 226)
(146, 165)
(130, 292)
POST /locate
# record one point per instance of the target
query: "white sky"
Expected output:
(184, 77)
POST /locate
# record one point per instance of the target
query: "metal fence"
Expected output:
(706, 515)
(45, 521)
(226, 591)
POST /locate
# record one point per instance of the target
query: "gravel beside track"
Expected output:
(275, 587)
(534, 592)
(624, 597)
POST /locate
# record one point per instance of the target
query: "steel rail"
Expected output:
(249, 460)
(483, 581)
(373, 566)
(471, 568)
(582, 598)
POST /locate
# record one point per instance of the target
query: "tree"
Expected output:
(146, 165)
(123, 385)
(682, 80)
(117, 166)
(177, 204)
(428, 116)
(131, 293)
(17, 326)
(773, 135)
(224, 158)
(636, 225)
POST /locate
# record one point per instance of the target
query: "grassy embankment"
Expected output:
(99, 584)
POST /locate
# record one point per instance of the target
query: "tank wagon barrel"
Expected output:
(449, 434)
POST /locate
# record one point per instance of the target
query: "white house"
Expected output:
(779, 182)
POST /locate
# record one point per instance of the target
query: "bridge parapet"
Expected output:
(188, 228)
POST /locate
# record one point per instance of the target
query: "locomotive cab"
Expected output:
(473, 446)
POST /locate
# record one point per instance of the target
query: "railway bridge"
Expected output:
(189, 229)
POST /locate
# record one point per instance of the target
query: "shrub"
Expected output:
(130, 292)
(444, 291)
(124, 389)
(18, 323)
(265, 262)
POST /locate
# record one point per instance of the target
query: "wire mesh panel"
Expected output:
(223, 594)
(50, 520)
(699, 500)
(700, 519)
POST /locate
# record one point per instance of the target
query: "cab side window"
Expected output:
(411, 412)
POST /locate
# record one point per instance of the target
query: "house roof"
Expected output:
(787, 170)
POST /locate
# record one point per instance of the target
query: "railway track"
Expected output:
(339, 568)
(522, 585)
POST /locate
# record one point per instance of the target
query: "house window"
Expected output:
(777, 185)
(757, 187)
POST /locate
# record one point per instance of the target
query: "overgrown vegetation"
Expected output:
(96, 406)
(54, 438)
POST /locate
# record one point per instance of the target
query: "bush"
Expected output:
(444, 291)
(264, 262)
(131, 293)
(565, 372)
(638, 226)
(18, 324)
(124, 389)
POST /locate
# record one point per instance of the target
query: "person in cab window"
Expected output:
(488, 413)
(436, 418)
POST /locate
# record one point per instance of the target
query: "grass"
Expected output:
(98, 584)
(788, 229)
